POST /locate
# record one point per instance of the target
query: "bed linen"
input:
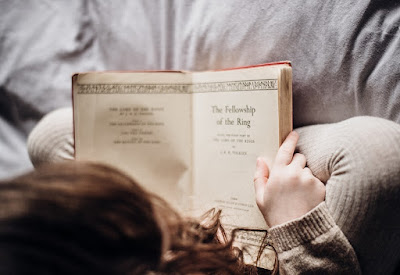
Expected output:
(345, 54)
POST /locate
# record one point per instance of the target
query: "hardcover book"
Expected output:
(191, 137)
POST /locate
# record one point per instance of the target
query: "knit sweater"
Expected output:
(359, 161)
(313, 244)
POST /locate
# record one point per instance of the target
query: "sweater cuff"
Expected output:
(302, 230)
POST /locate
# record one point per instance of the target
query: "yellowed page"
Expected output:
(140, 123)
(235, 121)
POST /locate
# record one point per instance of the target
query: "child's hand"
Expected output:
(289, 190)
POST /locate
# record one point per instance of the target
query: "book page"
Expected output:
(140, 123)
(235, 121)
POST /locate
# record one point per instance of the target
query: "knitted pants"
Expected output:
(358, 159)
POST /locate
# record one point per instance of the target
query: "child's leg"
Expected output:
(51, 140)
(359, 159)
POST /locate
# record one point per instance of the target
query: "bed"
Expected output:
(345, 54)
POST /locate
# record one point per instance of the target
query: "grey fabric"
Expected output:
(345, 54)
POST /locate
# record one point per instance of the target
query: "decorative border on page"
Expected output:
(160, 88)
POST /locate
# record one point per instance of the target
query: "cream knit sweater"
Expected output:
(314, 244)
(358, 159)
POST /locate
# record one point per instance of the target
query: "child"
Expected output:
(357, 160)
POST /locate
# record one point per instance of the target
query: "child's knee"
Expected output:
(366, 145)
(51, 140)
(372, 142)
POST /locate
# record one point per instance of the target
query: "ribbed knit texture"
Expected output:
(313, 244)
(51, 140)
(302, 230)
(358, 159)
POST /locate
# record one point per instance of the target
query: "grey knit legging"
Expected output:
(358, 159)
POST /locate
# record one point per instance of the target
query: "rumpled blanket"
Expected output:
(345, 54)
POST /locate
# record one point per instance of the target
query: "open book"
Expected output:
(191, 137)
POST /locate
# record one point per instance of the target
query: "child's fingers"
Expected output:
(260, 179)
(299, 160)
(259, 186)
(286, 151)
(262, 169)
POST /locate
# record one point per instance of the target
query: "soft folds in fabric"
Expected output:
(345, 54)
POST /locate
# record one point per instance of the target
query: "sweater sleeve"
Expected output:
(313, 244)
